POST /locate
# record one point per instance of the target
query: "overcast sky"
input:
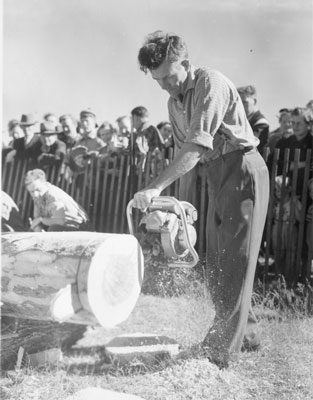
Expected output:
(62, 56)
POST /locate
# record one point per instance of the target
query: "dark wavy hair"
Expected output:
(159, 46)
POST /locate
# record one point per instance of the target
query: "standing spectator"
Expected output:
(27, 147)
(124, 130)
(90, 138)
(308, 261)
(302, 140)
(15, 132)
(114, 142)
(283, 131)
(54, 210)
(258, 122)
(285, 231)
(147, 136)
(208, 116)
(166, 131)
(53, 150)
(69, 134)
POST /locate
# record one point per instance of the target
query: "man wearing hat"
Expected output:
(89, 125)
(53, 149)
(27, 147)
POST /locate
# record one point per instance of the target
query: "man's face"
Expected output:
(88, 123)
(171, 76)
(249, 103)
(124, 125)
(166, 132)
(105, 133)
(300, 127)
(36, 188)
(29, 131)
(286, 125)
(48, 140)
(68, 127)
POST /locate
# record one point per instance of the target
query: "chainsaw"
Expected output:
(170, 222)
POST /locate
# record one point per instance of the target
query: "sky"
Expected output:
(63, 56)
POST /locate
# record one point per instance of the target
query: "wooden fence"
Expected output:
(105, 188)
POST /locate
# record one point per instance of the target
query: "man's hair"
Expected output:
(159, 46)
(162, 123)
(140, 111)
(34, 175)
(301, 111)
(247, 90)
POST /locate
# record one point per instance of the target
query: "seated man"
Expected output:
(54, 210)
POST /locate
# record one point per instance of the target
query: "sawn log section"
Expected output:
(79, 277)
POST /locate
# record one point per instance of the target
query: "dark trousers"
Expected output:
(238, 201)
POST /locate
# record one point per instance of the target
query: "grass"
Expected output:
(282, 369)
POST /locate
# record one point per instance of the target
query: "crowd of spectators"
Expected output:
(74, 143)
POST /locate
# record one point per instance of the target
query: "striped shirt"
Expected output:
(210, 114)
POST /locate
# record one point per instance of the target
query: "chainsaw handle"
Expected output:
(179, 208)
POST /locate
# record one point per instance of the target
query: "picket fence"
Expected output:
(105, 188)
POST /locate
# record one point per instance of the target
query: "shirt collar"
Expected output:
(190, 81)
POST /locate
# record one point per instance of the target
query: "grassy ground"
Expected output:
(282, 369)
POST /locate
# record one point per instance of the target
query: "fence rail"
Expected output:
(105, 188)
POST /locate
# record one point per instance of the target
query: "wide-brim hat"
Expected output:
(48, 129)
(28, 120)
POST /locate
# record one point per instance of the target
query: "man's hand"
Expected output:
(35, 222)
(142, 199)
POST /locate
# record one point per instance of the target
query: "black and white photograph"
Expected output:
(157, 200)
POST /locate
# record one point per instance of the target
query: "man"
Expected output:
(147, 137)
(258, 122)
(27, 147)
(69, 134)
(53, 149)
(54, 210)
(209, 122)
(90, 138)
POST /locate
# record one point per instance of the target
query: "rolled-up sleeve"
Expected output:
(211, 101)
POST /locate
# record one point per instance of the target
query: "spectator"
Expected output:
(51, 118)
(113, 141)
(124, 126)
(53, 150)
(285, 230)
(54, 210)
(166, 131)
(69, 134)
(27, 147)
(11, 220)
(308, 261)
(302, 140)
(258, 122)
(15, 132)
(90, 138)
(147, 137)
(283, 131)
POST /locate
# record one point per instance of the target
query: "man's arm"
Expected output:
(186, 159)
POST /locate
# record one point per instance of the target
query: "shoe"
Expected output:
(219, 358)
(251, 342)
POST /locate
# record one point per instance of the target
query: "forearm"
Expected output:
(185, 160)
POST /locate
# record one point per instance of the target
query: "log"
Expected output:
(76, 277)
